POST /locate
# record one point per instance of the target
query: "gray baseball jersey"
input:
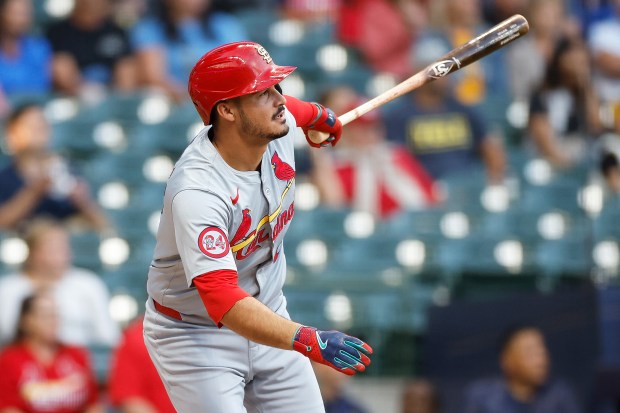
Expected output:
(215, 217)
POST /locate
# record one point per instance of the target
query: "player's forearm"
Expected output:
(608, 63)
(254, 321)
(137, 405)
(95, 408)
(494, 159)
(18, 207)
(543, 137)
(94, 216)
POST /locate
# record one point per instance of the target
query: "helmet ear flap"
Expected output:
(278, 88)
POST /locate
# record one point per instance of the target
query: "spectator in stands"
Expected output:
(4, 104)
(332, 385)
(447, 137)
(126, 13)
(134, 384)
(90, 50)
(41, 374)
(603, 41)
(25, 59)
(365, 172)
(610, 170)
(382, 31)
(420, 396)
(38, 182)
(528, 58)
(495, 11)
(310, 11)
(81, 296)
(564, 111)
(170, 42)
(485, 82)
(233, 6)
(525, 385)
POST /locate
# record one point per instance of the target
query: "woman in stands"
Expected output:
(39, 374)
(564, 111)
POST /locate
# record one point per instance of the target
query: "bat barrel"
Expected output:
(493, 39)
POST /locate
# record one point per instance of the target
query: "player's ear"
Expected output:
(225, 110)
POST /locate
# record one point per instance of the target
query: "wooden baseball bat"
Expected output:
(488, 42)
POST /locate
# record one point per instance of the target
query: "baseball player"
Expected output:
(216, 324)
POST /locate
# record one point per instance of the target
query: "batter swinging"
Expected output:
(216, 323)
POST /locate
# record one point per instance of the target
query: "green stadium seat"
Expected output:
(85, 248)
(306, 306)
(545, 198)
(323, 223)
(565, 257)
(607, 224)
(417, 299)
(75, 136)
(125, 167)
(169, 137)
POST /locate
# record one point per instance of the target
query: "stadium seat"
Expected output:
(565, 257)
(417, 298)
(85, 249)
(607, 224)
(75, 137)
(323, 223)
(125, 167)
(306, 306)
(561, 196)
(170, 137)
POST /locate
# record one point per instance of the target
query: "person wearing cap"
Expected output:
(216, 324)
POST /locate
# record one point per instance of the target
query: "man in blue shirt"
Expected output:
(525, 386)
(447, 137)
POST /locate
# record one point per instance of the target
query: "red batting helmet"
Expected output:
(232, 70)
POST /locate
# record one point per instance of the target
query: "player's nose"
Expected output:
(279, 99)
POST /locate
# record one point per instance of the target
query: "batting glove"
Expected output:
(335, 349)
(325, 121)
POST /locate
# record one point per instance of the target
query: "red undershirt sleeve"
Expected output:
(305, 113)
(219, 291)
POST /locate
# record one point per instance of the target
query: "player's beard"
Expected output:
(262, 132)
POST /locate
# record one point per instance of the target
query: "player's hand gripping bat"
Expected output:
(488, 42)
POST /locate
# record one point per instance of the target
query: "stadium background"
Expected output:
(539, 248)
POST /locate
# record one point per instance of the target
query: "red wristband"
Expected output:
(305, 113)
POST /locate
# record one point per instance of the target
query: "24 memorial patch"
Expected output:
(213, 242)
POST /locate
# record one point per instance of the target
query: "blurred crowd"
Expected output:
(560, 86)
